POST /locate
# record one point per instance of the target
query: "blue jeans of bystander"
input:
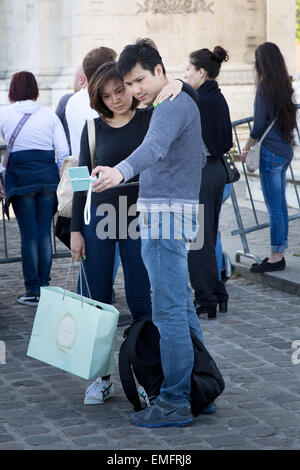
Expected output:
(34, 214)
(273, 178)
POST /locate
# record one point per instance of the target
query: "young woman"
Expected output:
(32, 176)
(119, 131)
(273, 101)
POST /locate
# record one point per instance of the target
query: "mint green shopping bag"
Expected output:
(74, 333)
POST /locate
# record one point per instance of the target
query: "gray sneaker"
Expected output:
(161, 414)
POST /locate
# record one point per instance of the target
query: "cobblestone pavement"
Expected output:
(41, 407)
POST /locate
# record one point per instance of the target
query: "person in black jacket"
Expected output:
(201, 72)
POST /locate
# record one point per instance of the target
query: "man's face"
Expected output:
(143, 85)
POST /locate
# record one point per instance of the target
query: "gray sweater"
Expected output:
(169, 160)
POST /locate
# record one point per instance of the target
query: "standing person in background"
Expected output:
(78, 108)
(79, 82)
(201, 72)
(273, 100)
(32, 176)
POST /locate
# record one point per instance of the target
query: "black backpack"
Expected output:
(139, 359)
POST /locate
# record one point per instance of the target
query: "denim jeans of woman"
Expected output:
(174, 314)
(100, 262)
(34, 214)
(273, 180)
(219, 247)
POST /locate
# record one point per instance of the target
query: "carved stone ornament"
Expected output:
(166, 7)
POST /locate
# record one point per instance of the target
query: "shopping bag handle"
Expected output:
(80, 279)
(71, 265)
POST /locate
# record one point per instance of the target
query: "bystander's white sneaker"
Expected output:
(28, 299)
(98, 392)
(143, 395)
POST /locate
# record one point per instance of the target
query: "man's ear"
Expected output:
(83, 80)
(158, 70)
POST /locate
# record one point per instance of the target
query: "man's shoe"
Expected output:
(265, 266)
(98, 392)
(28, 299)
(210, 409)
(161, 414)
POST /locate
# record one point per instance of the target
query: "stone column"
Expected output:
(281, 24)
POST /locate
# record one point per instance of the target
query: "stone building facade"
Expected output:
(50, 37)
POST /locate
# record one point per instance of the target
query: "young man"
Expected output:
(170, 164)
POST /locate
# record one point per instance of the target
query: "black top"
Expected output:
(113, 145)
(264, 114)
(61, 113)
(215, 119)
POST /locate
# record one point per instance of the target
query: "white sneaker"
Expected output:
(28, 299)
(98, 392)
(143, 395)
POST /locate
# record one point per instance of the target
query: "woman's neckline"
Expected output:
(123, 125)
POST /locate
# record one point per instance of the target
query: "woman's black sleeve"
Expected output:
(189, 90)
(79, 198)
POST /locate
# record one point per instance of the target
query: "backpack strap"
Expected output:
(128, 358)
(92, 140)
(12, 141)
(137, 327)
(126, 375)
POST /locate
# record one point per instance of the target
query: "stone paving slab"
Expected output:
(41, 407)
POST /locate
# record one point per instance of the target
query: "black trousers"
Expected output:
(203, 271)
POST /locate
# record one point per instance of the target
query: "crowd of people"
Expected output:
(159, 147)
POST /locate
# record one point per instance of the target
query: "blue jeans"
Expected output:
(173, 310)
(219, 248)
(100, 268)
(273, 179)
(34, 214)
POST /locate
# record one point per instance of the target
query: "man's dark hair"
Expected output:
(143, 52)
(95, 58)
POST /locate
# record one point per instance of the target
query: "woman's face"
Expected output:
(193, 76)
(117, 97)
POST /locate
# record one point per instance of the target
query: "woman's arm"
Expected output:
(173, 89)
(79, 199)
(246, 148)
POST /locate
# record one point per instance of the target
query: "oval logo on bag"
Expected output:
(66, 333)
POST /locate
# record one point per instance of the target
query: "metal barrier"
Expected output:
(242, 230)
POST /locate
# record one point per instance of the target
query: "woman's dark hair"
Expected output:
(276, 87)
(143, 52)
(209, 61)
(104, 74)
(23, 86)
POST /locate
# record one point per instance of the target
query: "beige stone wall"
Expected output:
(50, 37)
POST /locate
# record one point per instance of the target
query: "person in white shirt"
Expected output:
(31, 177)
(79, 82)
(78, 108)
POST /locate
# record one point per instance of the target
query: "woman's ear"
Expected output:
(202, 73)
